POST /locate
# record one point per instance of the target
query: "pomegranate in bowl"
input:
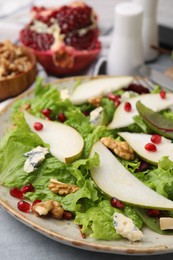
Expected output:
(64, 39)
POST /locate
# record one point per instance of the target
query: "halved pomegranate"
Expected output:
(64, 39)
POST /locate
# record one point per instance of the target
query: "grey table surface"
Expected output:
(18, 241)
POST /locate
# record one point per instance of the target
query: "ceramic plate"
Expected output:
(66, 231)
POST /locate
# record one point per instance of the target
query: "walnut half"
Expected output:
(121, 148)
(95, 101)
(61, 188)
(46, 207)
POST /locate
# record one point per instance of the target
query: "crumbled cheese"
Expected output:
(96, 116)
(126, 228)
(64, 94)
(166, 223)
(35, 157)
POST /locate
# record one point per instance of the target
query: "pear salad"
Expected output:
(99, 154)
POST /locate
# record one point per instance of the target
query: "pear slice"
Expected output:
(116, 181)
(98, 87)
(138, 142)
(66, 144)
(122, 118)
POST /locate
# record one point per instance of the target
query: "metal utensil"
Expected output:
(156, 77)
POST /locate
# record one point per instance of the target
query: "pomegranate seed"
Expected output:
(117, 203)
(15, 192)
(41, 42)
(38, 126)
(127, 107)
(162, 94)
(24, 206)
(74, 18)
(156, 139)
(61, 117)
(111, 96)
(67, 215)
(154, 213)
(150, 147)
(36, 202)
(46, 112)
(117, 102)
(27, 188)
(82, 42)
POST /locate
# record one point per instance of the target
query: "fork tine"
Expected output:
(144, 82)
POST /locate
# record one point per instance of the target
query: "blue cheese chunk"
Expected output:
(35, 157)
(96, 116)
(125, 227)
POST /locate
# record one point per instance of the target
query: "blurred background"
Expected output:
(19, 12)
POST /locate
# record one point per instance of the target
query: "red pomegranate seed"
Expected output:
(36, 202)
(111, 96)
(46, 112)
(117, 102)
(150, 147)
(61, 117)
(17, 193)
(74, 18)
(162, 94)
(117, 203)
(24, 206)
(127, 107)
(156, 139)
(67, 215)
(154, 213)
(27, 188)
(38, 126)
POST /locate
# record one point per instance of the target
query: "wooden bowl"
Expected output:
(12, 87)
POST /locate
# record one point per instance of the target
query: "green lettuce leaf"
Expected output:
(159, 179)
(98, 221)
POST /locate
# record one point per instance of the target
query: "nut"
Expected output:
(61, 188)
(46, 207)
(42, 208)
(96, 101)
(57, 210)
(121, 148)
(13, 60)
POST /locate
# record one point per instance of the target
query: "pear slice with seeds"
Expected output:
(123, 118)
(138, 142)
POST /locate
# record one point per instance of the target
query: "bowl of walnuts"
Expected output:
(17, 69)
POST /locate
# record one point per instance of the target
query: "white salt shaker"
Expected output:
(126, 50)
(149, 28)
